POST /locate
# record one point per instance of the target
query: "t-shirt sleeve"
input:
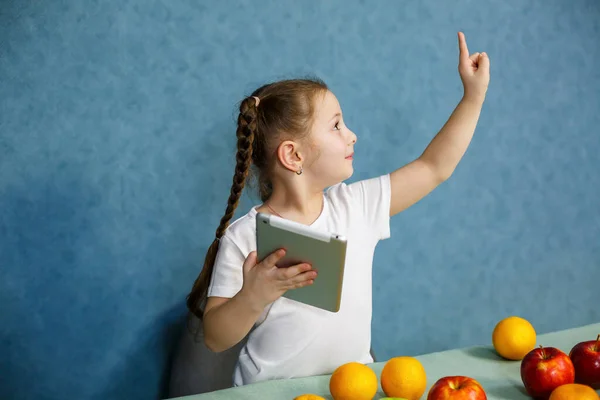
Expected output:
(228, 276)
(373, 198)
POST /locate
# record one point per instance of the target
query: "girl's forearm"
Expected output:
(227, 324)
(447, 148)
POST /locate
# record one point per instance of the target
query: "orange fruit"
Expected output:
(574, 391)
(513, 338)
(403, 377)
(309, 396)
(353, 381)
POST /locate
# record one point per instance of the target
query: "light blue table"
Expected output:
(500, 378)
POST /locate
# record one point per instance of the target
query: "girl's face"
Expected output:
(332, 143)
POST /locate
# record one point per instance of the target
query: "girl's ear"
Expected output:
(290, 155)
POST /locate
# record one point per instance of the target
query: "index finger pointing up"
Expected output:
(462, 45)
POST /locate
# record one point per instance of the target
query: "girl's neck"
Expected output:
(301, 206)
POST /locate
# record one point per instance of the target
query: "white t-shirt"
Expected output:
(292, 339)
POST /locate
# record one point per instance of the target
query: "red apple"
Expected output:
(586, 360)
(456, 388)
(544, 369)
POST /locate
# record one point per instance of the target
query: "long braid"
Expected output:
(245, 135)
(246, 132)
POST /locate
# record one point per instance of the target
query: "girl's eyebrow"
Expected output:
(335, 116)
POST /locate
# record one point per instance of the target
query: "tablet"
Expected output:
(326, 252)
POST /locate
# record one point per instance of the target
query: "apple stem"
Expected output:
(543, 352)
(597, 343)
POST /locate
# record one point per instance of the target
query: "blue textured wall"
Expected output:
(116, 156)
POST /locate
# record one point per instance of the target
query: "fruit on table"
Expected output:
(309, 396)
(513, 338)
(544, 369)
(353, 381)
(456, 388)
(574, 391)
(586, 360)
(403, 377)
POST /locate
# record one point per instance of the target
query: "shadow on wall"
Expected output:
(196, 369)
(144, 372)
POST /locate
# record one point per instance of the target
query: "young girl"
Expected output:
(293, 133)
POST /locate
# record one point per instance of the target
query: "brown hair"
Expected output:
(286, 111)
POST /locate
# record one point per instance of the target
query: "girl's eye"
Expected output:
(337, 126)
